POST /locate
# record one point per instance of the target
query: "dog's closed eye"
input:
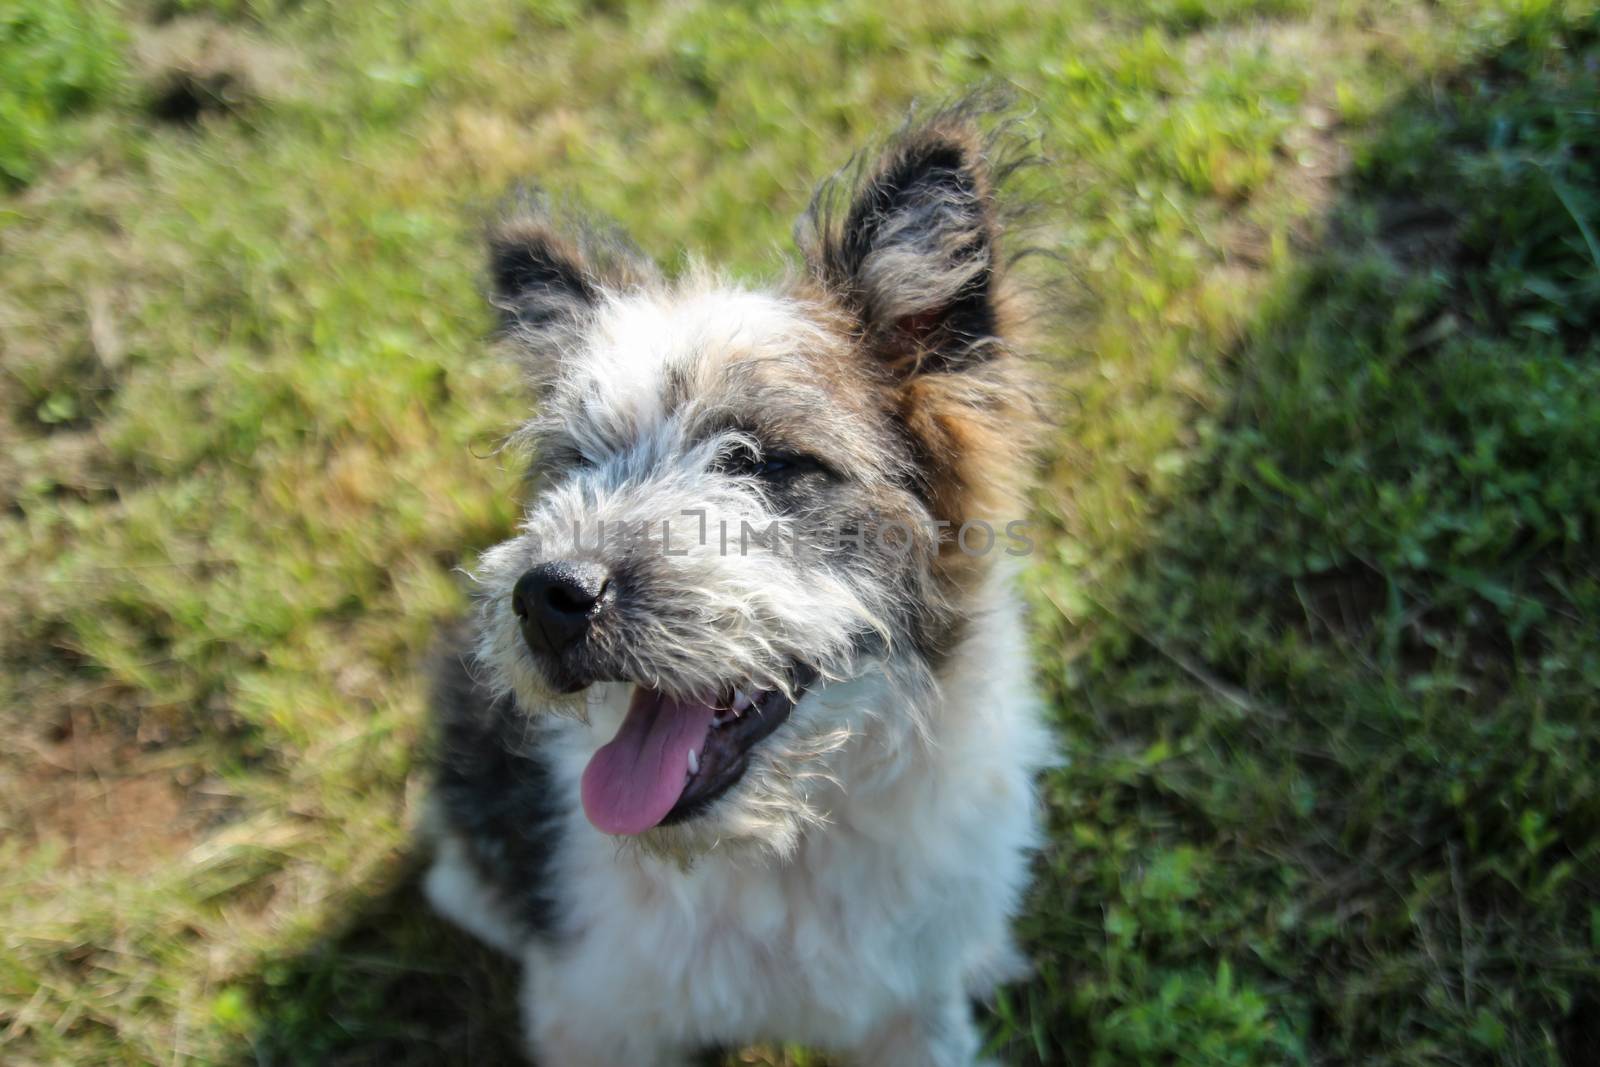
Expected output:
(770, 465)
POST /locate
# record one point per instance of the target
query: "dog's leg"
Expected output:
(565, 1026)
(457, 893)
(939, 1034)
(563, 1048)
(556, 1039)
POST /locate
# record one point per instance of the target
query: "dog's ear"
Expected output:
(550, 270)
(916, 254)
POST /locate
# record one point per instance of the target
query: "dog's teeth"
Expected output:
(741, 702)
(694, 762)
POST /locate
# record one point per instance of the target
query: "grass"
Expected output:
(1317, 611)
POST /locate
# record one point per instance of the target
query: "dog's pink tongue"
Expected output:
(634, 779)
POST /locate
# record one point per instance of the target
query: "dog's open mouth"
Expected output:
(672, 758)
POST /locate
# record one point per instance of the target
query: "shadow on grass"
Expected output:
(394, 986)
(1334, 796)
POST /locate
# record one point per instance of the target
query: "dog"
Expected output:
(743, 744)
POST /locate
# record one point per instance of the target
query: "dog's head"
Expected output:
(747, 502)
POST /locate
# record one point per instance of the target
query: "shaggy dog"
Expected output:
(743, 745)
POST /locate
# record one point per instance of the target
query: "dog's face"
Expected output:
(745, 502)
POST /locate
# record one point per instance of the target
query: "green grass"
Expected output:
(55, 58)
(1317, 612)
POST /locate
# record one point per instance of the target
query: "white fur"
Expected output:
(457, 894)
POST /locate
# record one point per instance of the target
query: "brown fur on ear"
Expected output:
(975, 434)
(917, 260)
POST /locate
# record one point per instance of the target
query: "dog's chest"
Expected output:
(815, 949)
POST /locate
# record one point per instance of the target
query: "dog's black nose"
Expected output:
(557, 601)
